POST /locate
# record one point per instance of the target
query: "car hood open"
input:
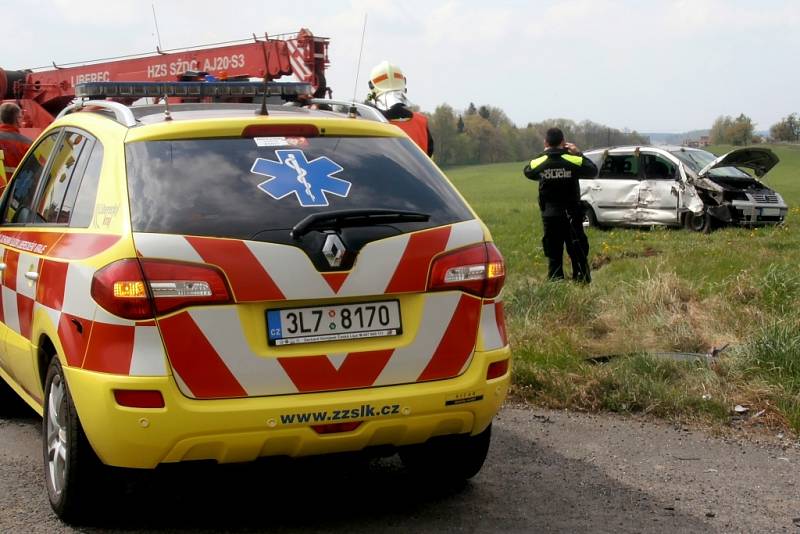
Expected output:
(759, 160)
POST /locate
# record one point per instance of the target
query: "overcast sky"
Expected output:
(652, 66)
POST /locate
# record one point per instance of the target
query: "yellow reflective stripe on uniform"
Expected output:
(538, 161)
(576, 160)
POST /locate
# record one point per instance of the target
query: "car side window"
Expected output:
(18, 205)
(67, 166)
(658, 168)
(620, 167)
(82, 194)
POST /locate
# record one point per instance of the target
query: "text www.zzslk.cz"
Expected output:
(365, 410)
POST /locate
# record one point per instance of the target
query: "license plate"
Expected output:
(315, 324)
(770, 212)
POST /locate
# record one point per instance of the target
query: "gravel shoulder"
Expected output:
(548, 471)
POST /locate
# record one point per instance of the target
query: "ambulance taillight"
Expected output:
(477, 269)
(139, 289)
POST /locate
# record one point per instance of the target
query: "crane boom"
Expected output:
(43, 93)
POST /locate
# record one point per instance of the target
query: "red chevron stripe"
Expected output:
(73, 342)
(10, 272)
(335, 280)
(57, 244)
(317, 373)
(110, 348)
(411, 273)
(457, 343)
(80, 246)
(248, 279)
(196, 361)
(25, 311)
(52, 280)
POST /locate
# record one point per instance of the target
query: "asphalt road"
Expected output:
(547, 472)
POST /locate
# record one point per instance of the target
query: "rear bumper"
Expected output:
(238, 430)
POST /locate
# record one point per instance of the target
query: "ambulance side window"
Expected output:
(65, 170)
(82, 194)
(18, 205)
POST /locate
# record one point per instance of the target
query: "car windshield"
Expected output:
(241, 187)
(698, 159)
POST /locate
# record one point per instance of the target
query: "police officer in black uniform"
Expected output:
(558, 170)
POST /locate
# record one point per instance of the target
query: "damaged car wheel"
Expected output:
(590, 219)
(698, 222)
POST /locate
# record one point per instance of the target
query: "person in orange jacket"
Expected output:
(12, 142)
(387, 85)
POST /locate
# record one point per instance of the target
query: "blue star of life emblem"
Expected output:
(308, 180)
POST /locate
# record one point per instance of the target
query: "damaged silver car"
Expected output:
(674, 186)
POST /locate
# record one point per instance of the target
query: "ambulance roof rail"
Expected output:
(368, 112)
(122, 113)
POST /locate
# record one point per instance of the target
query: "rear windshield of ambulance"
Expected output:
(241, 187)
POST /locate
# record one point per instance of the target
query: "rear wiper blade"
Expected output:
(360, 217)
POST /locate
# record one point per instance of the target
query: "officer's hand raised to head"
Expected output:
(572, 148)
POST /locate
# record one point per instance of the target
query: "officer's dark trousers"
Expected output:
(561, 231)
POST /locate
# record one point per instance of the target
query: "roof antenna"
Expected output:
(167, 114)
(155, 20)
(263, 111)
(352, 112)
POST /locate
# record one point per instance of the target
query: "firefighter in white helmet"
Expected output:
(387, 85)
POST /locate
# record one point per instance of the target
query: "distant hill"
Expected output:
(674, 138)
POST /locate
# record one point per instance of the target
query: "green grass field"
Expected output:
(655, 290)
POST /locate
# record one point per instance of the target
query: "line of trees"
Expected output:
(740, 131)
(729, 131)
(787, 129)
(485, 134)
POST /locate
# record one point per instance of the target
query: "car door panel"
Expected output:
(658, 201)
(658, 191)
(614, 194)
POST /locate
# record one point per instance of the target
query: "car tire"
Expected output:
(448, 459)
(70, 464)
(590, 218)
(698, 223)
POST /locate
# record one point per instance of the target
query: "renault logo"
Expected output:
(333, 250)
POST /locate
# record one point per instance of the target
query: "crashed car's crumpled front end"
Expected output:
(730, 194)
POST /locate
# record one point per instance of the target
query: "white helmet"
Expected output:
(387, 85)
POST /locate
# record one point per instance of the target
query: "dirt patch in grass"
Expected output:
(604, 258)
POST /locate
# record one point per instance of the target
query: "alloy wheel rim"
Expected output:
(57, 444)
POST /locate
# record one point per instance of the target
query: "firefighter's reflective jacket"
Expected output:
(558, 173)
(414, 124)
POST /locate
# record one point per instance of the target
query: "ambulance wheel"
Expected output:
(69, 461)
(448, 458)
(698, 223)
